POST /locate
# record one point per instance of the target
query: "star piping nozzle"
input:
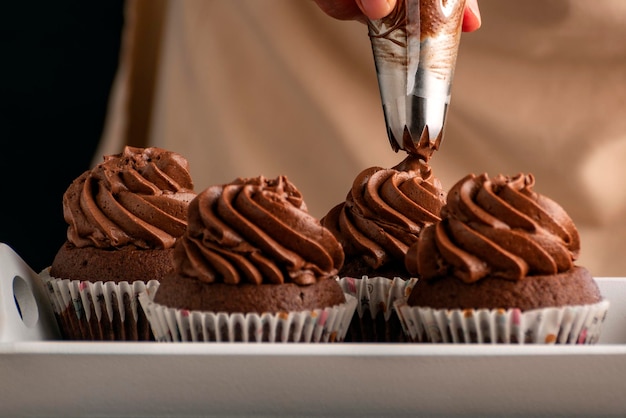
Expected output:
(415, 49)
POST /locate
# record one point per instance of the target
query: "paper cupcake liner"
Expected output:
(579, 324)
(375, 319)
(99, 311)
(180, 325)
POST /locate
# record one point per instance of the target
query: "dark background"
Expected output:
(57, 63)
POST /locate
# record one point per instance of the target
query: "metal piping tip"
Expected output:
(415, 50)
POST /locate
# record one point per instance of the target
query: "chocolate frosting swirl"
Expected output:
(256, 231)
(385, 211)
(497, 227)
(137, 198)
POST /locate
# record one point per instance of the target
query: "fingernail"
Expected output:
(472, 5)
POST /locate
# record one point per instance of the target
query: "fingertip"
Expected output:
(471, 16)
(376, 9)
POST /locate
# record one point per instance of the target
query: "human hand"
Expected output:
(376, 9)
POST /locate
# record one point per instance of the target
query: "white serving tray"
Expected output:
(71, 379)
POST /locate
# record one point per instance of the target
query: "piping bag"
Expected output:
(415, 49)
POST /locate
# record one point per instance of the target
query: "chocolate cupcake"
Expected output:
(253, 265)
(500, 267)
(123, 216)
(382, 216)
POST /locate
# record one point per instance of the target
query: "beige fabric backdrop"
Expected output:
(250, 87)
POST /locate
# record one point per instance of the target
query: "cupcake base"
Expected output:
(98, 311)
(579, 324)
(376, 319)
(310, 326)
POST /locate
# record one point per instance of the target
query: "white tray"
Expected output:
(66, 379)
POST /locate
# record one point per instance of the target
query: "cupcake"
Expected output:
(252, 266)
(500, 267)
(382, 216)
(123, 216)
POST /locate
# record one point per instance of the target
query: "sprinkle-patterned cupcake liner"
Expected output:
(98, 311)
(311, 326)
(580, 324)
(375, 319)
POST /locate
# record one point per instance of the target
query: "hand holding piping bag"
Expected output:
(377, 9)
(415, 44)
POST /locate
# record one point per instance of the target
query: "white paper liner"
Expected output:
(376, 319)
(580, 324)
(120, 302)
(376, 294)
(180, 325)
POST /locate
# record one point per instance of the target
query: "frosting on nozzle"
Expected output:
(136, 198)
(385, 211)
(496, 227)
(256, 231)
